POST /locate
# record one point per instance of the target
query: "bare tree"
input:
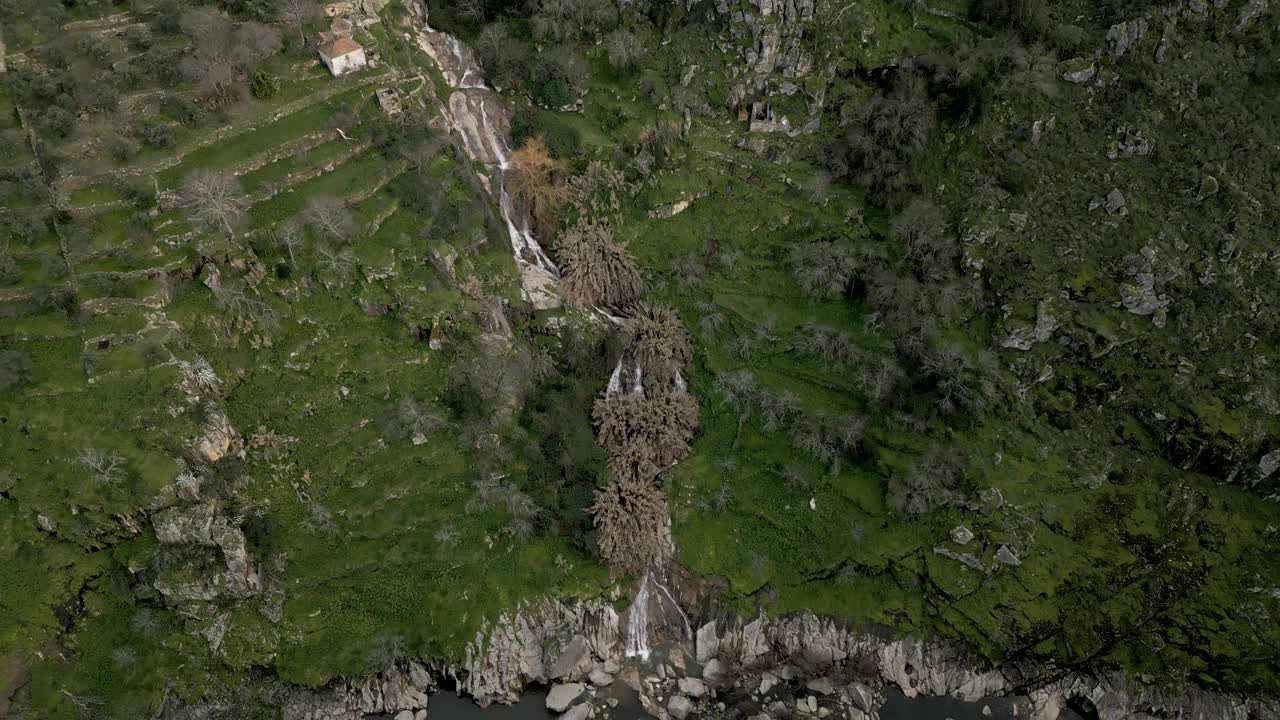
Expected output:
(932, 482)
(625, 49)
(330, 217)
(338, 261)
(538, 182)
(471, 9)
(288, 236)
(107, 468)
(296, 13)
(223, 51)
(213, 198)
(825, 269)
(231, 296)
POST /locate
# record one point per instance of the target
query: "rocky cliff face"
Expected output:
(798, 666)
(770, 36)
(553, 640)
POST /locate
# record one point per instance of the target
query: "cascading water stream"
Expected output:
(636, 640)
(485, 140)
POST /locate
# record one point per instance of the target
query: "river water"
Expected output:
(532, 706)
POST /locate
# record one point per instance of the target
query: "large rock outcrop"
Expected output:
(551, 640)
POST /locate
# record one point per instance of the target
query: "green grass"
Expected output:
(280, 170)
(246, 145)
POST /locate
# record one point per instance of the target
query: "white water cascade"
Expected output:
(636, 640)
(636, 636)
(478, 115)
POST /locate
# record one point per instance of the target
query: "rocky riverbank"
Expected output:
(765, 668)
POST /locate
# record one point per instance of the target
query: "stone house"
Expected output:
(342, 56)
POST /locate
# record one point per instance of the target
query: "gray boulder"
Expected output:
(821, 685)
(713, 672)
(679, 706)
(693, 687)
(1007, 556)
(708, 642)
(560, 697)
(573, 660)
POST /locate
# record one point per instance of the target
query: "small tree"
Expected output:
(625, 49)
(15, 369)
(288, 236)
(106, 468)
(213, 198)
(930, 247)
(223, 51)
(597, 270)
(825, 269)
(931, 483)
(296, 14)
(330, 217)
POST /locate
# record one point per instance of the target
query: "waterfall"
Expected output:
(636, 642)
(477, 114)
(614, 388)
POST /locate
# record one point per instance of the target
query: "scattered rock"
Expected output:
(679, 706)
(991, 499)
(219, 440)
(600, 678)
(713, 672)
(965, 558)
(861, 697)
(581, 711)
(1142, 299)
(1268, 464)
(562, 695)
(1114, 202)
(611, 666)
(677, 658)
(986, 711)
(404, 715)
(1077, 70)
(693, 687)
(1249, 13)
(667, 211)
(767, 682)
(1023, 337)
(961, 535)
(821, 685)
(1007, 556)
(1122, 36)
(1130, 143)
(1208, 187)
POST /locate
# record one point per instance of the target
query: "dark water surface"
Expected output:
(448, 706)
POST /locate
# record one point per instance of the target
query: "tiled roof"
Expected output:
(340, 47)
